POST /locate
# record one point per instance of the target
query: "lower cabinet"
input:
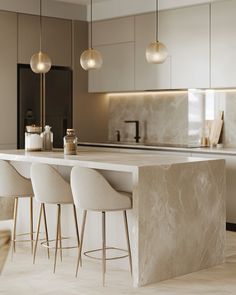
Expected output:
(230, 183)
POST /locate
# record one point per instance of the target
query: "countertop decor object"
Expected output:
(40, 62)
(47, 137)
(91, 58)
(156, 52)
(70, 142)
(216, 129)
(33, 138)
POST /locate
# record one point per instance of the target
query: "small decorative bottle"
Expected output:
(47, 136)
(70, 142)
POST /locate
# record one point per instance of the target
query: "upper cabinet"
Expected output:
(57, 39)
(185, 32)
(149, 76)
(115, 40)
(123, 43)
(223, 51)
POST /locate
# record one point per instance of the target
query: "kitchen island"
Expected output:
(177, 224)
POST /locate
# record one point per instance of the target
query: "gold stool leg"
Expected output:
(81, 241)
(31, 225)
(128, 241)
(37, 234)
(14, 225)
(60, 238)
(103, 247)
(46, 229)
(57, 235)
(77, 230)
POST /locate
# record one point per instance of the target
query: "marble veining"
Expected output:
(163, 117)
(172, 117)
(182, 220)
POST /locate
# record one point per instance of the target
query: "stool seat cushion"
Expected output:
(12, 183)
(49, 186)
(91, 191)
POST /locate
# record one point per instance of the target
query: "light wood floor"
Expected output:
(21, 277)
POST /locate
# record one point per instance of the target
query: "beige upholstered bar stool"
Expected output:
(14, 185)
(51, 188)
(92, 192)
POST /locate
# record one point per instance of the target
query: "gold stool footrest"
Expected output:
(23, 240)
(87, 253)
(44, 244)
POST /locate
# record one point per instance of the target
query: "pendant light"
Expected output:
(91, 58)
(156, 52)
(40, 62)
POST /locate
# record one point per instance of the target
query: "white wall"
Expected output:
(50, 8)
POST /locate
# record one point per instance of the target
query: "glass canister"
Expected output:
(70, 142)
(33, 139)
(47, 137)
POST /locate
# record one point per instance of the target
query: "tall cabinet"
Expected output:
(8, 79)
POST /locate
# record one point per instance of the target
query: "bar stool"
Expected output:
(51, 188)
(92, 192)
(14, 185)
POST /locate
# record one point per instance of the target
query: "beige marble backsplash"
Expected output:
(176, 117)
(163, 117)
(228, 100)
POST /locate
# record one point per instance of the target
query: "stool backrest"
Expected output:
(49, 186)
(12, 183)
(91, 191)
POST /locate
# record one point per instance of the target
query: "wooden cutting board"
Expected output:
(216, 131)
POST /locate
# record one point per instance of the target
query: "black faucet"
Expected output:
(137, 137)
(118, 135)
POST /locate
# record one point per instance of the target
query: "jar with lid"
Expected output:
(70, 142)
(33, 140)
(47, 137)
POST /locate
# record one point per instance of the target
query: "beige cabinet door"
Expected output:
(115, 40)
(117, 72)
(28, 37)
(148, 76)
(8, 79)
(223, 44)
(57, 39)
(119, 30)
(185, 31)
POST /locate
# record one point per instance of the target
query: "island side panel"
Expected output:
(182, 219)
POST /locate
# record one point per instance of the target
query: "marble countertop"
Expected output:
(97, 159)
(140, 146)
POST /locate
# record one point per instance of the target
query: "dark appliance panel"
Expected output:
(58, 105)
(58, 101)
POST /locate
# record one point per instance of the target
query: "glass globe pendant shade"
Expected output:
(91, 59)
(40, 63)
(156, 53)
